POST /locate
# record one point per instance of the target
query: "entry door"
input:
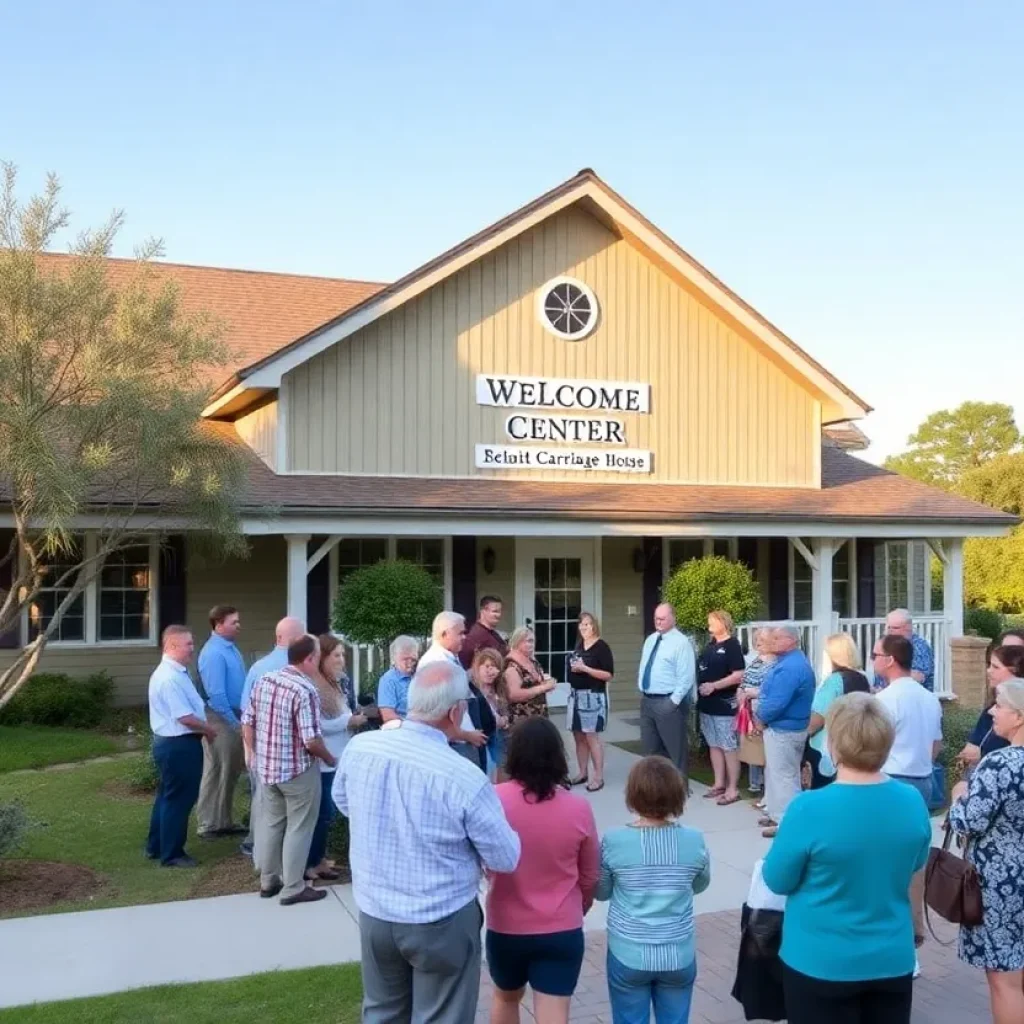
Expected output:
(554, 582)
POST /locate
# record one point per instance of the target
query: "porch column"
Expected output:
(297, 571)
(823, 549)
(953, 586)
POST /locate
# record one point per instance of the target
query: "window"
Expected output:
(679, 551)
(124, 595)
(427, 553)
(897, 573)
(359, 552)
(803, 586)
(841, 581)
(567, 308)
(57, 584)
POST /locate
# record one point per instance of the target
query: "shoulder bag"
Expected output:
(951, 885)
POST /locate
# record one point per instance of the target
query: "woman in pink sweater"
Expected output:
(535, 914)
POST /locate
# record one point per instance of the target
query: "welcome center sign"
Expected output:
(542, 398)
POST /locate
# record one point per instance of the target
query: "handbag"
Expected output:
(951, 886)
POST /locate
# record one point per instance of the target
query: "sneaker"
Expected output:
(917, 968)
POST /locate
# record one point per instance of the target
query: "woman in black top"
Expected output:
(719, 674)
(590, 667)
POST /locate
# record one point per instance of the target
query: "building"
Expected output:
(558, 410)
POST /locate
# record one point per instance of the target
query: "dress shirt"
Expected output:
(674, 670)
(393, 691)
(285, 715)
(422, 821)
(272, 662)
(435, 652)
(917, 717)
(222, 673)
(172, 695)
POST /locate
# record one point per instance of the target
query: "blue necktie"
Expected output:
(649, 667)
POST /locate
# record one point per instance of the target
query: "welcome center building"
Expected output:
(559, 410)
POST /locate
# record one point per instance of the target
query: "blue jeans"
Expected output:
(632, 992)
(179, 760)
(318, 844)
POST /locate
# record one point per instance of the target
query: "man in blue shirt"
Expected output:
(784, 708)
(393, 688)
(667, 681)
(287, 631)
(899, 623)
(222, 673)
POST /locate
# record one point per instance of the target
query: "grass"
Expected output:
(36, 746)
(318, 995)
(86, 816)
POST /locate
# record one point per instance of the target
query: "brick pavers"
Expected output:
(947, 993)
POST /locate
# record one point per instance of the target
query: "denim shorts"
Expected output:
(549, 964)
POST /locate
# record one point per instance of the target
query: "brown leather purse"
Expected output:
(951, 885)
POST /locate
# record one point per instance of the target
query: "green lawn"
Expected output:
(319, 995)
(86, 816)
(35, 746)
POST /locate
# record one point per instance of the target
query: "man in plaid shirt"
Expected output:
(281, 730)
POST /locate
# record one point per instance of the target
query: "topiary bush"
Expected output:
(57, 699)
(983, 622)
(14, 823)
(704, 585)
(382, 601)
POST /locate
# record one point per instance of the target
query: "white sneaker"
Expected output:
(917, 968)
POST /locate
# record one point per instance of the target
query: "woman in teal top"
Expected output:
(847, 934)
(846, 678)
(650, 871)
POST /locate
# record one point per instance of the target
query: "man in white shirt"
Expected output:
(917, 717)
(448, 633)
(177, 717)
(667, 680)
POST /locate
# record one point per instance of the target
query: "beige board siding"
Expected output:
(399, 396)
(621, 590)
(259, 430)
(502, 582)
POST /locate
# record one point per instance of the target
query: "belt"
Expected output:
(655, 696)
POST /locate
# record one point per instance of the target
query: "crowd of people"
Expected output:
(457, 772)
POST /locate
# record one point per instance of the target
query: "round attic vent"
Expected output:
(567, 308)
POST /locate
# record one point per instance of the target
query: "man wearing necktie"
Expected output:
(667, 680)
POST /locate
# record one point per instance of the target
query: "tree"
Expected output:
(704, 585)
(951, 443)
(101, 390)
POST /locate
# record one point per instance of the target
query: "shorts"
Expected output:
(586, 711)
(720, 731)
(549, 964)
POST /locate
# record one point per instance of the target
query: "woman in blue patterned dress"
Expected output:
(989, 810)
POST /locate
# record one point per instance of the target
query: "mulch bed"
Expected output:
(225, 878)
(34, 884)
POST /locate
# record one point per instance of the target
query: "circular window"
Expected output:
(567, 308)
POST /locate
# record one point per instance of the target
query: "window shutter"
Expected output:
(172, 600)
(318, 591)
(778, 583)
(866, 578)
(652, 580)
(10, 639)
(464, 577)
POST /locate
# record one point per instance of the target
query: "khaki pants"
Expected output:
(223, 763)
(284, 830)
(783, 758)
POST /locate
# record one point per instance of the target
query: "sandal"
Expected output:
(714, 793)
(581, 780)
(724, 801)
(597, 788)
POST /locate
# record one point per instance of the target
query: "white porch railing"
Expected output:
(808, 633)
(934, 628)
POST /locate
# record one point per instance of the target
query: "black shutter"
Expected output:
(172, 596)
(10, 639)
(318, 590)
(865, 578)
(464, 577)
(652, 580)
(778, 578)
(746, 551)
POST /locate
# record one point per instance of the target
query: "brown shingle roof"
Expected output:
(852, 490)
(258, 312)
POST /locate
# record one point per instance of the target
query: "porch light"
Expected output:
(638, 560)
(490, 560)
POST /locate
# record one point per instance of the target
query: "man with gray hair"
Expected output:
(393, 688)
(784, 708)
(899, 623)
(423, 822)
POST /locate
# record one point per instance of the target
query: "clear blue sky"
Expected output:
(852, 168)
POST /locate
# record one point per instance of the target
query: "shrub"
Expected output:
(337, 841)
(957, 723)
(57, 699)
(984, 622)
(140, 773)
(14, 824)
(703, 585)
(376, 604)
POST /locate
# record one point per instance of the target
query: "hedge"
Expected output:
(58, 699)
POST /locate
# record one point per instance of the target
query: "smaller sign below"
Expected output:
(595, 460)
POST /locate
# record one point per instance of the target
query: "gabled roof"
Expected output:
(852, 491)
(586, 187)
(259, 312)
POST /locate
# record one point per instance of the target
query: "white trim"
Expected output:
(92, 593)
(322, 552)
(809, 557)
(953, 587)
(297, 576)
(379, 524)
(938, 550)
(281, 437)
(448, 570)
(271, 374)
(539, 311)
(217, 404)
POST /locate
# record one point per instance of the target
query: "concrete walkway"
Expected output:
(96, 952)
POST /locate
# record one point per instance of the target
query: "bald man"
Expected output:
(667, 680)
(287, 631)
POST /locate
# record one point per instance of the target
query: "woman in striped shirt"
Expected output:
(650, 871)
